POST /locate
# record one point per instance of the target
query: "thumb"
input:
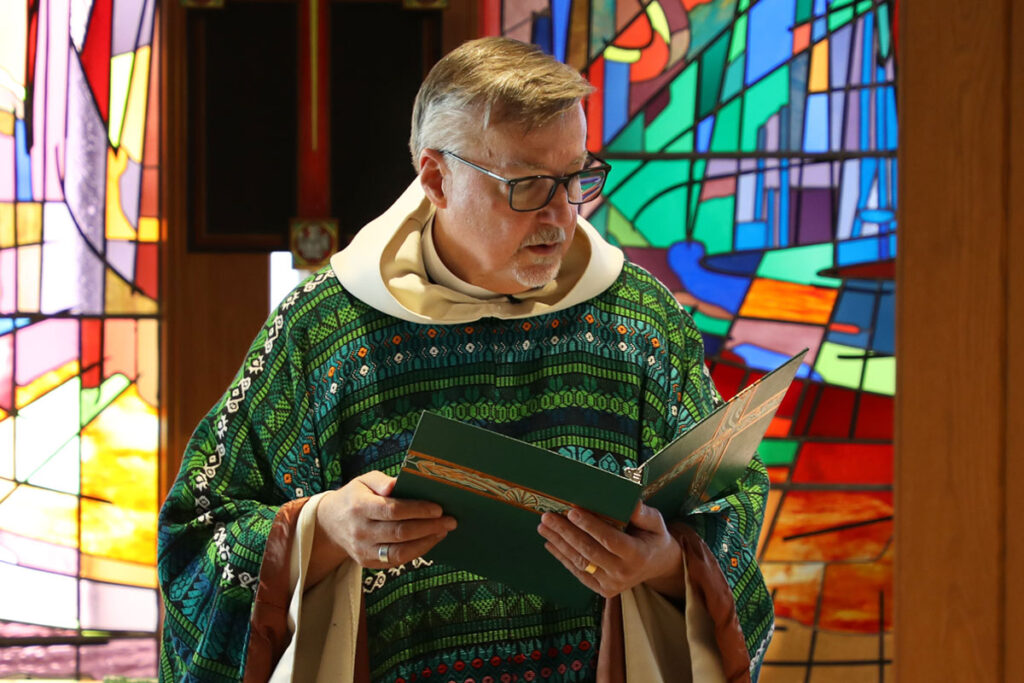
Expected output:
(378, 482)
(647, 518)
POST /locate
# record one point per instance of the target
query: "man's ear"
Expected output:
(433, 170)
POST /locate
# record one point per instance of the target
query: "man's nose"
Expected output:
(559, 211)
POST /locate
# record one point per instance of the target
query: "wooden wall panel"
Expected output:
(952, 283)
(213, 304)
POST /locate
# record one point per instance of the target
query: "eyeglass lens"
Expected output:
(533, 194)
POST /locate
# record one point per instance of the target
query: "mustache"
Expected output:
(549, 235)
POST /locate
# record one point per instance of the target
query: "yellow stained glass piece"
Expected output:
(28, 278)
(777, 300)
(134, 129)
(118, 571)
(6, 122)
(120, 81)
(118, 226)
(119, 532)
(45, 515)
(119, 464)
(149, 229)
(44, 383)
(625, 55)
(28, 221)
(818, 80)
(6, 224)
(121, 299)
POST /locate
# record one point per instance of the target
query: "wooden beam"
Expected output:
(951, 342)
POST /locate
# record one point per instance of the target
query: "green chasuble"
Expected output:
(333, 388)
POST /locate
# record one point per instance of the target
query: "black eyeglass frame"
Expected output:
(603, 168)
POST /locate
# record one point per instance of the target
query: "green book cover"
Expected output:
(497, 487)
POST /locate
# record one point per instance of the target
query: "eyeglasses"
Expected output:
(531, 193)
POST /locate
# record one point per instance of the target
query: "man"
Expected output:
(480, 295)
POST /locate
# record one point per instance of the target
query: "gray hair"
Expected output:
(490, 80)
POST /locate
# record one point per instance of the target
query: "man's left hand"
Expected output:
(610, 561)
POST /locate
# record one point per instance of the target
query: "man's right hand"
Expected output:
(354, 521)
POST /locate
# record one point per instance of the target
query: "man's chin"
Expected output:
(534, 276)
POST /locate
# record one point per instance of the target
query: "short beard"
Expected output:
(542, 270)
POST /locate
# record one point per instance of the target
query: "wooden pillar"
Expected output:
(959, 402)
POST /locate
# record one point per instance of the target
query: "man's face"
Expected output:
(478, 235)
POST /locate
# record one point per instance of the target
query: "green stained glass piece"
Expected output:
(95, 400)
(61, 471)
(712, 68)
(733, 78)
(884, 30)
(880, 376)
(739, 37)
(800, 265)
(775, 452)
(621, 170)
(761, 101)
(727, 128)
(677, 117)
(865, 6)
(683, 143)
(707, 21)
(840, 18)
(663, 221)
(651, 179)
(744, 5)
(698, 175)
(713, 225)
(836, 4)
(630, 138)
(804, 10)
(709, 325)
(599, 219)
(622, 231)
(840, 365)
(602, 25)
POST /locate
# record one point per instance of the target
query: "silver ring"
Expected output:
(382, 553)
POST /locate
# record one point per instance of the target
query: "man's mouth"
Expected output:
(543, 249)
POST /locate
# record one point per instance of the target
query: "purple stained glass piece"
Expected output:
(86, 174)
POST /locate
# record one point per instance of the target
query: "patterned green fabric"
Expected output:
(332, 388)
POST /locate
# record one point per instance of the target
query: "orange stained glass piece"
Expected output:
(777, 475)
(119, 345)
(831, 526)
(44, 515)
(850, 595)
(818, 80)
(118, 571)
(801, 37)
(44, 383)
(794, 589)
(121, 299)
(771, 505)
(148, 345)
(778, 300)
(652, 62)
(779, 426)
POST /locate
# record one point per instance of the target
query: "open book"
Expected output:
(497, 487)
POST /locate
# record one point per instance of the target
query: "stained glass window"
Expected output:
(754, 153)
(79, 367)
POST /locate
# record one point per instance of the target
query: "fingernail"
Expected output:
(574, 516)
(450, 524)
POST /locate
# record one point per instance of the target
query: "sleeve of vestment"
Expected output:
(728, 528)
(255, 451)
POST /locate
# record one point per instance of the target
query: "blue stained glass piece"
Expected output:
(712, 343)
(736, 262)
(891, 127)
(616, 97)
(560, 27)
(8, 324)
(22, 162)
(769, 39)
(818, 29)
(540, 33)
(884, 340)
(854, 307)
(704, 129)
(762, 359)
(839, 56)
(723, 290)
(820, 7)
(751, 235)
(860, 250)
(784, 205)
(877, 215)
(816, 123)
